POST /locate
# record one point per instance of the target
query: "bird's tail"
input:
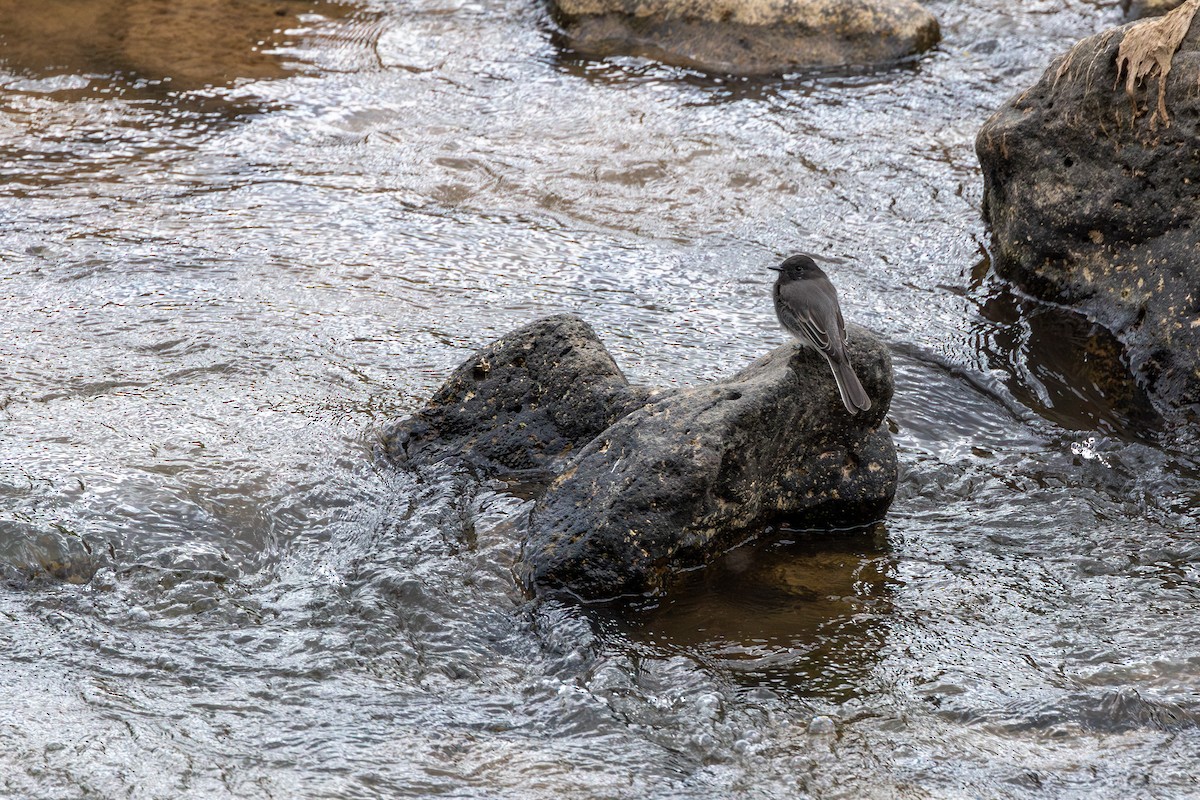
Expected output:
(854, 396)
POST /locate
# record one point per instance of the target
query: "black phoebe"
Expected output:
(807, 306)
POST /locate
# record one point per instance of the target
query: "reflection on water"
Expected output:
(1068, 369)
(800, 615)
(102, 90)
(216, 290)
(151, 47)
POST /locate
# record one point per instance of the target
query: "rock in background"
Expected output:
(750, 36)
(1091, 183)
(1137, 9)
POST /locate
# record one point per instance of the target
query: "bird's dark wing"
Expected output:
(812, 307)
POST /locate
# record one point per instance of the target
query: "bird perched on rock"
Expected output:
(807, 306)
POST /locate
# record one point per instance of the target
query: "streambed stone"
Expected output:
(750, 36)
(1091, 185)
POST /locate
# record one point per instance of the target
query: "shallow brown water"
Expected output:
(218, 288)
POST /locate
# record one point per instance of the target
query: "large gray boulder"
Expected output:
(520, 403)
(750, 36)
(1091, 184)
(680, 481)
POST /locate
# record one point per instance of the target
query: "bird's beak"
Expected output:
(775, 269)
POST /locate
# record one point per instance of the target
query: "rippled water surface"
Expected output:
(238, 238)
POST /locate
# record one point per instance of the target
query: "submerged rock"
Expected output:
(750, 36)
(678, 482)
(1091, 183)
(520, 403)
(649, 482)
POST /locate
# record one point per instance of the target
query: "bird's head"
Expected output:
(798, 267)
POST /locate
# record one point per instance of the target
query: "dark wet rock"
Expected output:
(750, 36)
(1091, 184)
(674, 484)
(649, 482)
(520, 403)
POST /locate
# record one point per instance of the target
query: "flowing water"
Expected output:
(238, 238)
